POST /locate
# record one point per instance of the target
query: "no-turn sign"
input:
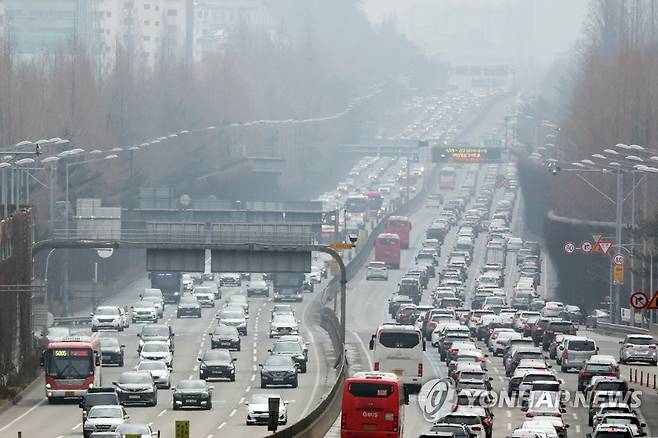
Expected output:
(569, 247)
(586, 246)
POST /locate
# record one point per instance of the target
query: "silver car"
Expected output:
(377, 270)
(104, 418)
(159, 370)
(640, 348)
(577, 351)
(258, 409)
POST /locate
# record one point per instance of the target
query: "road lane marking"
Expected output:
(221, 425)
(191, 376)
(162, 413)
(509, 426)
(232, 412)
(577, 428)
(363, 347)
(241, 400)
(255, 358)
(509, 413)
(253, 377)
(76, 426)
(210, 436)
(23, 415)
(248, 389)
(255, 369)
(196, 367)
(575, 416)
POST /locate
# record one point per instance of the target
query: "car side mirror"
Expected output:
(235, 359)
(643, 424)
(91, 314)
(123, 346)
(269, 350)
(80, 405)
(126, 416)
(371, 344)
(260, 365)
(198, 359)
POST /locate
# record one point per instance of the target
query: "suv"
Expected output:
(577, 351)
(554, 327)
(293, 349)
(107, 317)
(638, 348)
(377, 270)
(611, 431)
(156, 332)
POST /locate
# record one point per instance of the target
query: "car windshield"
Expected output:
(577, 345)
(220, 355)
(191, 384)
(109, 342)
(258, 283)
(224, 330)
(137, 429)
(470, 375)
(278, 360)
(468, 420)
(640, 341)
(260, 399)
(155, 347)
(152, 366)
(154, 330)
(202, 290)
(286, 347)
(107, 311)
(135, 378)
(399, 339)
(287, 319)
(231, 314)
(625, 420)
(105, 412)
(188, 300)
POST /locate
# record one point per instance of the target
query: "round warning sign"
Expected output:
(586, 246)
(639, 300)
(618, 259)
(569, 247)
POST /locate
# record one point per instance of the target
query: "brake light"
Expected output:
(476, 428)
(550, 332)
(376, 366)
(486, 421)
(628, 345)
(482, 359)
(653, 347)
(490, 331)
(420, 369)
(586, 374)
(565, 355)
(529, 414)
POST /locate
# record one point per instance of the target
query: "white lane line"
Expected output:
(509, 426)
(255, 345)
(366, 354)
(76, 426)
(575, 416)
(23, 415)
(577, 428)
(316, 357)
(202, 343)
(255, 367)
(162, 413)
(248, 389)
(60, 436)
(210, 436)
(501, 378)
(509, 413)
(253, 377)
(196, 367)
(221, 425)
(232, 412)
(241, 400)
(191, 376)
(255, 358)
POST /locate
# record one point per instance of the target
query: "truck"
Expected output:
(169, 284)
(495, 256)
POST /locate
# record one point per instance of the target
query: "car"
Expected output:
(293, 349)
(97, 396)
(284, 325)
(150, 292)
(156, 303)
(556, 421)
(258, 287)
(471, 420)
(536, 424)
(157, 350)
(377, 270)
(281, 309)
(107, 318)
(233, 317)
(187, 282)
(628, 419)
(531, 376)
(577, 351)
(205, 296)
(111, 351)
(188, 305)
(134, 430)
(611, 431)
(136, 387)
(450, 430)
(225, 336)
(299, 340)
(156, 332)
(104, 418)
(159, 370)
(236, 300)
(316, 274)
(278, 370)
(217, 364)
(105, 435)
(124, 317)
(192, 392)
(593, 369)
(554, 327)
(606, 408)
(230, 280)
(258, 411)
(638, 348)
(144, 311)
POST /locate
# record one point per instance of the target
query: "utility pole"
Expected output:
(616, 316)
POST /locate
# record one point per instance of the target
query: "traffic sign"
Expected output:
(586, 246)
(653, 303)
(341, 245)
(618, 259)
(639, 300)
(618, 274)
(569, 247)
(182, 429)
(605, 246)
(104, 253)
(596, 237)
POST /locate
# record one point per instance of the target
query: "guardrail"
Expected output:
(72, 320)
(619, 328)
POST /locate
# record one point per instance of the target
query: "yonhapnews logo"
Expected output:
(437, 398)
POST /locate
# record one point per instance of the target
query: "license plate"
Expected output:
(190, 401)
(278, 379)
(69, 394)
(225, 343)
(134, 397)
(369, 426)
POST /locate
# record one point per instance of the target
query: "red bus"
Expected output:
(447, 178)
(401, 226)
(373, 406)
(387, 249)
(71, 367)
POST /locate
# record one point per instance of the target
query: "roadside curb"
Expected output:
(8, 403)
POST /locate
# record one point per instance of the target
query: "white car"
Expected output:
(377, 270)
(157, 350)
(187, 282)
(104, 418)
(316, 274)
(540, 426)
(258, 409)
(283, 325)
(205, 299)
(108, 318)
(159, 370)
(514, 244)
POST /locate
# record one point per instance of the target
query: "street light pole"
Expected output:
(618, 228)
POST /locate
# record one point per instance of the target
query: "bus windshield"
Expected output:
(70, 363)
(375, 201)
(356, 204)
(399, 340)
(370, 390)
(288, 279)
(165, 280)
(388, 242)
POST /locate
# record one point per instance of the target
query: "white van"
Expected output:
(398, 349)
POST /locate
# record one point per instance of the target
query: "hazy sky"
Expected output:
(487, 28)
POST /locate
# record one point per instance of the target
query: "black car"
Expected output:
(136, 387)
(573, 314)
(258, 287)
(111, 351)
(192, 392)
(156, 332)
(396, 301)
(188, 306)
(278, 370)
(224, 336)
(217, 364)
(97, 396)
(556, 327)
(291, 349)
